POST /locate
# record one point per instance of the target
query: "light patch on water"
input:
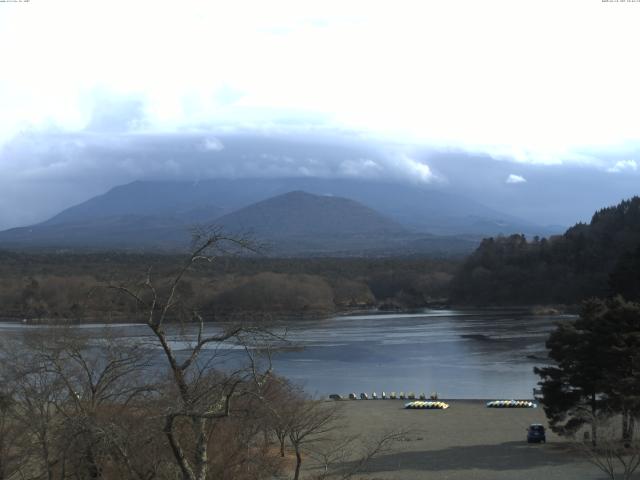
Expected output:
(392, 316)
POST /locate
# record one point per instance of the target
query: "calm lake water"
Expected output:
(459, 354)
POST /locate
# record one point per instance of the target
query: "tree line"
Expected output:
(588, 260)
(54, 286)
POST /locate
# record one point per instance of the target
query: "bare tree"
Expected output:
(37, 394)
(279, 400)
(202, 394)
(614, 455)
(241, 451)
(101, 384)
(12, 437)
(314, 430)
(89, 407)
(71, 398)
(345, 456)
(310, 421)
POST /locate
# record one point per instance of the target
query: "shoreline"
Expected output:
(301, 317)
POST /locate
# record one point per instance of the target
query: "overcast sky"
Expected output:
(527, 82)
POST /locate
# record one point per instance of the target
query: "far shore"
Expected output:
(534, 310)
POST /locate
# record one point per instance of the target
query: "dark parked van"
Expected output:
(536, 433)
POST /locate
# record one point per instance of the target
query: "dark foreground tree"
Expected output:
(597, 371)
(625, 277)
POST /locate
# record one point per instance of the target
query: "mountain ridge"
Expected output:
(296, 215)
(413, 205)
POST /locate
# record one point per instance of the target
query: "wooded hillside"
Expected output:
(594, 259)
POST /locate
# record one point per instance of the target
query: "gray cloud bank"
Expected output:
(45, 172)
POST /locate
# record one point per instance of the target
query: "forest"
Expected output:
(597, 259)
(60, 287)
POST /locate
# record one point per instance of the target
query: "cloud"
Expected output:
(212, 145)
(512, 178)
(76, 156)
(46, 172)
(44, 165)
(418, 171)
(115, 113)
(623, 165)
(85, 77)
(360, 167)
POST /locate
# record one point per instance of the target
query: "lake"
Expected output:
(459, 354)
(456, 353)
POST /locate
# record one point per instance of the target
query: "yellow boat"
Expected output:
(426, 405)
(511, 404)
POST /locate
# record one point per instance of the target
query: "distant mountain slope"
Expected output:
(422, 207)
(342, 216)
(294, 223)
(588, 260)
(158, 199)
(303, 214)
(138, 232)
(415, 206)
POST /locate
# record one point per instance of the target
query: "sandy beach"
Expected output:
(466, 441)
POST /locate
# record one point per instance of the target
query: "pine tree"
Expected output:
(597, 371)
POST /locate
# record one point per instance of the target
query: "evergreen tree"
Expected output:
(597, 369)
(620, 322)
(573, 390)
(625, 277)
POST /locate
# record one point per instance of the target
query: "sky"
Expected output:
(89, 90)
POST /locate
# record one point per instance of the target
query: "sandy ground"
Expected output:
(466, 441)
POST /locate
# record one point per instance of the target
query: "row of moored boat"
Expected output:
(384, 396)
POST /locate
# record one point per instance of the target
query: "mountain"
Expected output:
(294, 215)
(302, 223)
(131, 231)
(293, 223)
(594, 259)
(300, 213)
(414, 206)
(156, 199)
